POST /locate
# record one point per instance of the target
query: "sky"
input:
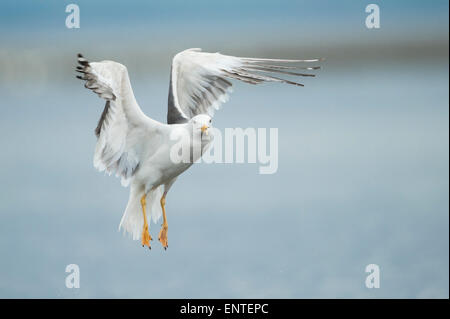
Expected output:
(363, 154)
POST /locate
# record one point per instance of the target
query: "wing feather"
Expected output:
(122, 125)
(198, 80)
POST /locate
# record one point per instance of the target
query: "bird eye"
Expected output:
(209, 121)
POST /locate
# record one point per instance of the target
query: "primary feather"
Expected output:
(199, 81)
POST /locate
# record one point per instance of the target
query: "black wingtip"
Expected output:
(79, 77)
(79, 55)
(82, 61)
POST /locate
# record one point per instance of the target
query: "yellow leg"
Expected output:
(163, 232)
(145, 234)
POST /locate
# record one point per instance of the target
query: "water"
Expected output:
(363, 154)
(362, 178)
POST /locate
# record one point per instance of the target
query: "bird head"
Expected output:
(202, 122)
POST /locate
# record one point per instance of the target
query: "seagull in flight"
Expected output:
(137, 148)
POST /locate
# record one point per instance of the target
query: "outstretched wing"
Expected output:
(122, 125)
(199, 81)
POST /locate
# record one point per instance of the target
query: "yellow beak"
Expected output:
(204, 129)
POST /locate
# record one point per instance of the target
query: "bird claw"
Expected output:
(146, 238)
(163, 236)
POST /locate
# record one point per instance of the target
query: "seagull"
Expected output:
(137, 148)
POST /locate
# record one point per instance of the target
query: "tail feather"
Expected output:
(132, 220)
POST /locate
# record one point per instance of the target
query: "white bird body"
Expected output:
(157, 172)
(138, 148)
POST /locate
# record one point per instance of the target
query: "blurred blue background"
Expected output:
(363, 153)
